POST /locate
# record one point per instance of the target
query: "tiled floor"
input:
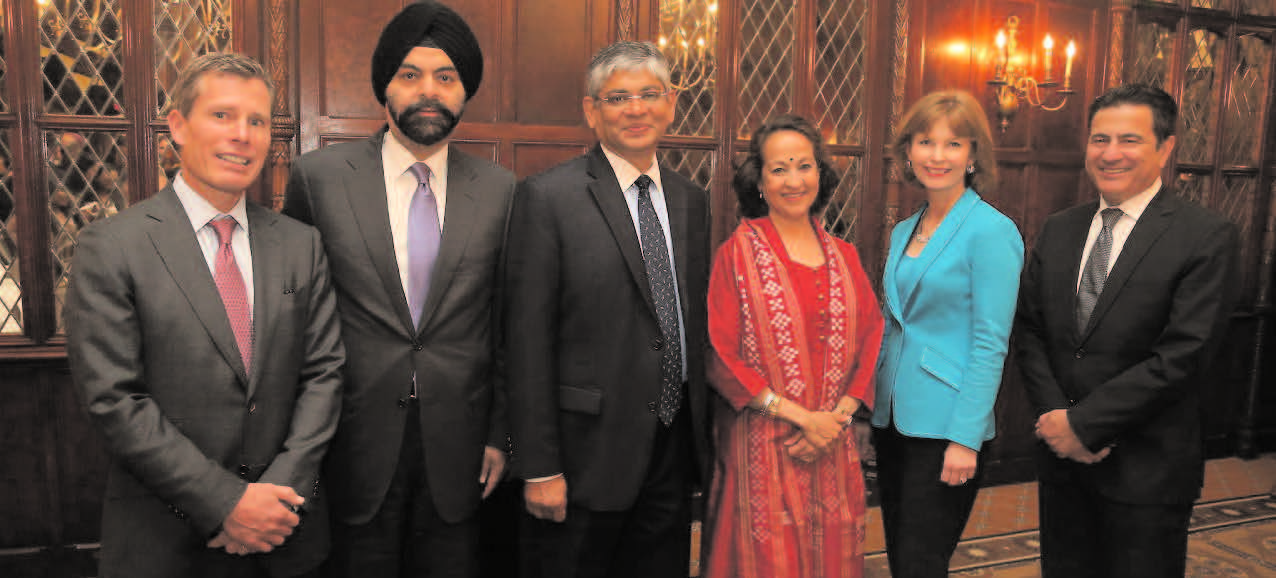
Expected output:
(1004, 510)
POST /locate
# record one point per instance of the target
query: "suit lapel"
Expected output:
(676, 202)
(899, 243)
(611, 202)
(171, 234)
(365, 186)
(939, 240)
(268, 270)
(458, 223)
(1154, 221)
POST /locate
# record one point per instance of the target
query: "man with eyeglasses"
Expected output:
(607, 270)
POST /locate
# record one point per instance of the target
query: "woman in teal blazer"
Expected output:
(950, 284)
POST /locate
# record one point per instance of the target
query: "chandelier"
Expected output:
(1011, 82)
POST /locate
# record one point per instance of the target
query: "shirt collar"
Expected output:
(397, 159)
(200, 211)
(1134, 206)
(627, 173)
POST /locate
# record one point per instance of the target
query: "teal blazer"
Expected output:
(946, 334)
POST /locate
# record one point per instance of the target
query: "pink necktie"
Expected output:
(230, 284)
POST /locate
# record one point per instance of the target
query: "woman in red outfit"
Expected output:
(796, 331)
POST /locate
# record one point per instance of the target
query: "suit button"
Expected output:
(403, 403)
(651, 406)
(1079, 354)
(252, 406)
(657, 343)
(243, 471)
(417, 347)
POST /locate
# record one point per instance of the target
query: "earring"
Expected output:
(970, 170)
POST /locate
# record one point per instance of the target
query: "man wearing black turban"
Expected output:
(414, 229)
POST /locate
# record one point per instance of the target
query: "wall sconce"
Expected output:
(1012, 83)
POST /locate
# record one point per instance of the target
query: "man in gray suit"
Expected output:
(202, 332)
(415, 230)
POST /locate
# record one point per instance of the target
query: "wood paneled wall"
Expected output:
(527, 117)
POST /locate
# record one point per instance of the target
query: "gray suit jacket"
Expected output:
(341, 190)
(152, 351)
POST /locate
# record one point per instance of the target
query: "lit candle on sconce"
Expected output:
(1071, 51)
(1002, 56)
(1048, 43)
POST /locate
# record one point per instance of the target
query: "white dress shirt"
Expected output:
(400, 185)
(201, 213)
(1131, 210)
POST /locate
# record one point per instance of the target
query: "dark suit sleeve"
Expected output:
(318, 405)
(1202, 301)
(499, 428)
(297, 195)
(104, 348)
(1031, 341)
(531, 331)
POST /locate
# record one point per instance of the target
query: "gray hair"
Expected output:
(186, 90)
(627, 56)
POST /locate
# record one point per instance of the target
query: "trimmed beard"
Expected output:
(425, 131)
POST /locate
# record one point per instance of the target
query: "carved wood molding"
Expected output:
(279, 56)
(626, 21)
(1119, 30)
(897, 83)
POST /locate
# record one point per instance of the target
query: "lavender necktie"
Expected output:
(423, 241)
(230, 284)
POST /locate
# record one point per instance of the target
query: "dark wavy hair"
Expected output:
(748, 174)
(1165, 112)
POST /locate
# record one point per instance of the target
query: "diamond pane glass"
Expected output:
(841, 215)
(81, 57)
(689, 38)
(696, 165)
(1258, 7)
(766, 61)
(1153, 49)
(1237, 199)
(184, 30)
(840, 40)
(1242, 136)
(10, 284)
(1198, 106)
(1192, 186)
(168, 159)
(88, 180)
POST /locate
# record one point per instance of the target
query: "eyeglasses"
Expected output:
(620, 100)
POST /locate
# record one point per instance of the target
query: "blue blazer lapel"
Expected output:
(899, 243)
(1154, 221)
(939, 240)
(616, 212)
(171, 235)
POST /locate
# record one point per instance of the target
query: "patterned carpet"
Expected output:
(1233, 528)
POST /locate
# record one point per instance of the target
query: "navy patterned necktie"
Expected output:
(655, 255)
(1096, 269)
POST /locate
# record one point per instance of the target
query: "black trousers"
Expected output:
(923, 517)
(1085, 535)
(652, 539)
(406, 538)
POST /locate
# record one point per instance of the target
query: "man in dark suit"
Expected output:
(414, 229)
(202, 331)
(1122, 304)
(608, 266)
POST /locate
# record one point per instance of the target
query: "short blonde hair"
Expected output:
(186, 90)
(966, 119)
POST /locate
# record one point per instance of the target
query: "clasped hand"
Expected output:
(1054, 428)
(816, 435)
(262, 519)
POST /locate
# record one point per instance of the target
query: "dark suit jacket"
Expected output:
(584, 344)
(1133, 378)
(152, 351)
(341, 190)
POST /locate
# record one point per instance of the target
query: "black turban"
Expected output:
(445, 28)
